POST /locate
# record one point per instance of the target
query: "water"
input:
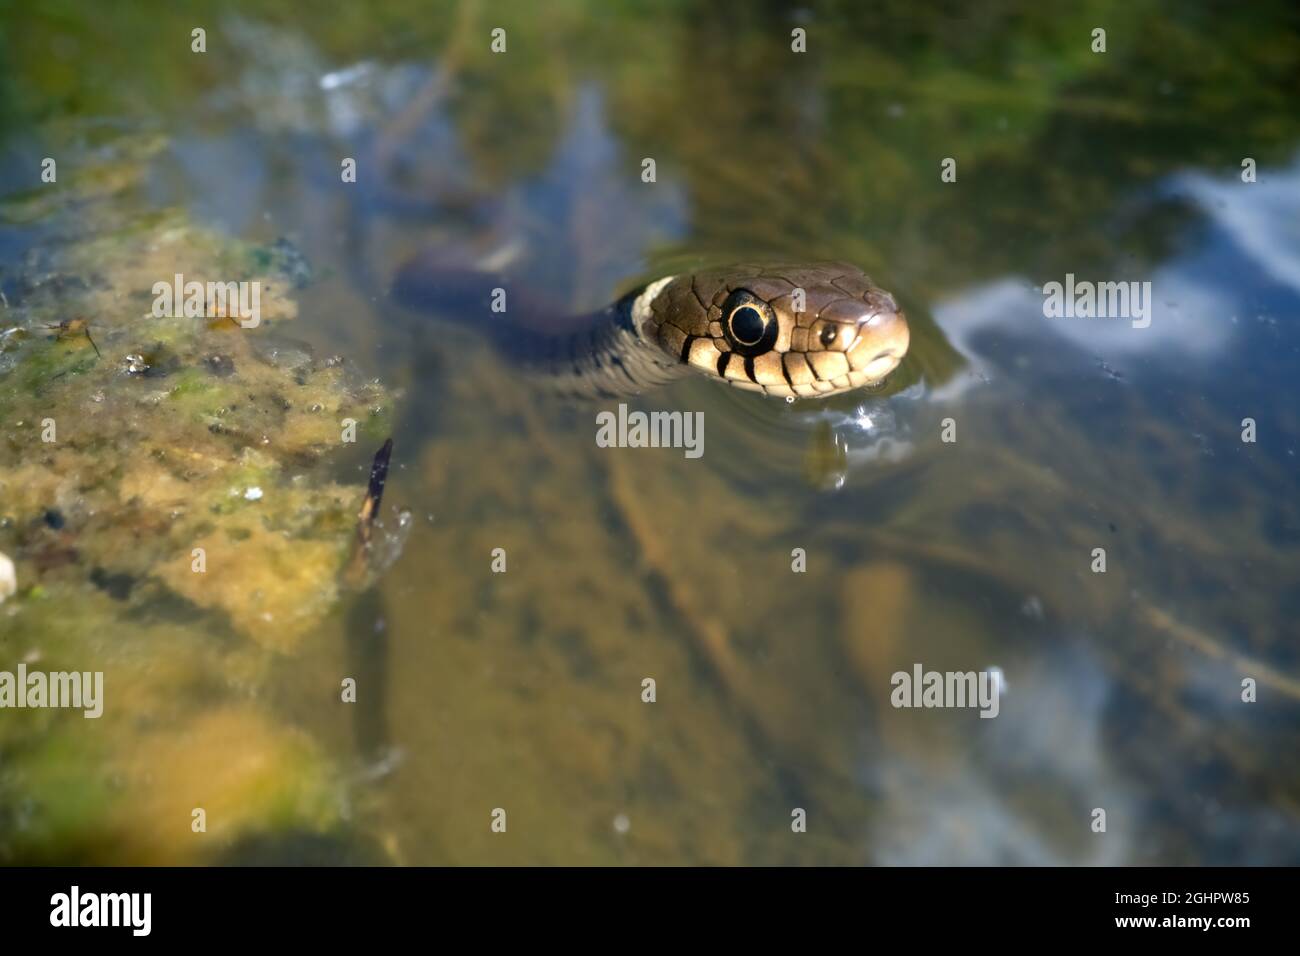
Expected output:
(523, 691)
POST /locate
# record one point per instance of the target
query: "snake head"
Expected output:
(809, 330)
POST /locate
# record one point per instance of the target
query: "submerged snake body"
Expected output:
(745, 325)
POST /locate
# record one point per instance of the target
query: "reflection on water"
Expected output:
(523, 690)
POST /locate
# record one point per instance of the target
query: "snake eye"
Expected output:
(828, 335)
(747, 325)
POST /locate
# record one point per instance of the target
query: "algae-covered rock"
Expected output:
(181, 728)
(150, 436)
(273, 589)
(243, 771)
(169, 504)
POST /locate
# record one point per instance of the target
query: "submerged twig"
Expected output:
(433, 92)
(1210, 647)
(355, 574)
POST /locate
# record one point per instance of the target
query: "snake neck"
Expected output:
(606, 356)
(603, 354)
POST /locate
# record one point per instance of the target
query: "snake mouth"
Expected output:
(879, 345)
(881, 365)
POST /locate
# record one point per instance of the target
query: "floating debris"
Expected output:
(74, 327)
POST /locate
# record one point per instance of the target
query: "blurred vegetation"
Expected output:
(850, 134)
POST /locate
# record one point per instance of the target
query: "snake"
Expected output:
(811, 330)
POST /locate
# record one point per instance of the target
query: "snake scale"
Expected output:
(794, 331)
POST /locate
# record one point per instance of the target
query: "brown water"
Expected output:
(523, 690)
